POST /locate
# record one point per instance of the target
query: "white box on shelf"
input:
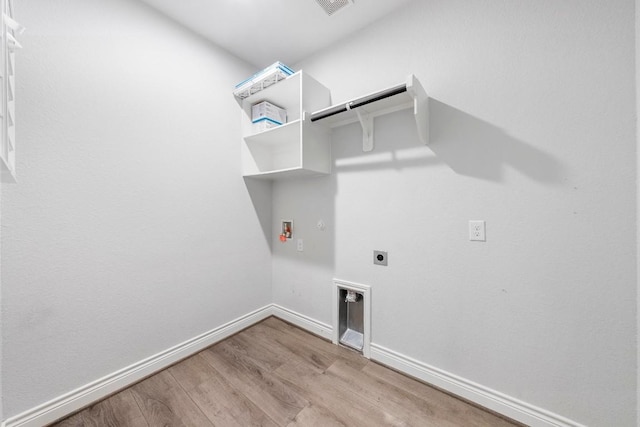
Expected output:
(262, 79)
(262, 125)
(266, 111)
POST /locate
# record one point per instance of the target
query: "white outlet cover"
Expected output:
(300, 246)
(477, 231)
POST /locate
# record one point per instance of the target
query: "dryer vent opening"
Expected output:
(351, 319)
(352, 316)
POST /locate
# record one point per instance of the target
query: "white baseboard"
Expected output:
(302, 321)
(476, 393)
(103, 387)
(473, 392)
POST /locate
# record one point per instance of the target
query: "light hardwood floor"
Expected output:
(274, 374)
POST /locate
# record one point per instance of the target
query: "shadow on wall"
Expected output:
(473, 147)
(396, 146)
(260, 193)
(468, 145)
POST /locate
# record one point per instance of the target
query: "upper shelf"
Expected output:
(409, 94)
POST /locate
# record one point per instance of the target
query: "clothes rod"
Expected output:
(332, 111)
(410, 94)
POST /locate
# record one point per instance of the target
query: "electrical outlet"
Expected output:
(379, 257)
(300, 245)
(477, 231)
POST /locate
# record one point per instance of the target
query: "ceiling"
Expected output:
(264, 31)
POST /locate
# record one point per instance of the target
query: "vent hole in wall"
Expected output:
(352, 316)
(332, 6)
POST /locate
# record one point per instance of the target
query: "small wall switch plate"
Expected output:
(300, 246)
(380, 258)
(477, 231)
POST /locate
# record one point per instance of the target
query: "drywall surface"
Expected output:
(130, 229)
(533, 131)
(637, 92)
(1, 357)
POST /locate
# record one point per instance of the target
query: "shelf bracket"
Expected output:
(412, 95)
(420, 108)
(366, 121)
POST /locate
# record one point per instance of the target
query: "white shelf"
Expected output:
(409, 94)
(276, 135)
(295, 148)
(290, 173)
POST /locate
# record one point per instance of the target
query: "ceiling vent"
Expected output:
(332, 6)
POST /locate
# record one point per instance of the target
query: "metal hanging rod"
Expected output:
(410, 94)
(337, 109)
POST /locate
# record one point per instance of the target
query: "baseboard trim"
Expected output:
(473, 392)
(77, 399)
(103, 387)
(307, 323)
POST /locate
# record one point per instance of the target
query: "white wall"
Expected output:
(130, 229)
(1, 304)
(637, 56)
(533, 130)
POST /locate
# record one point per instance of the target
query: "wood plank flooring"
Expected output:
(274, 374)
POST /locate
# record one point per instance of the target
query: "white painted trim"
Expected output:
(97, 390)
(476, 393)
(93, 392)
(365, 290)
(302, 321)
